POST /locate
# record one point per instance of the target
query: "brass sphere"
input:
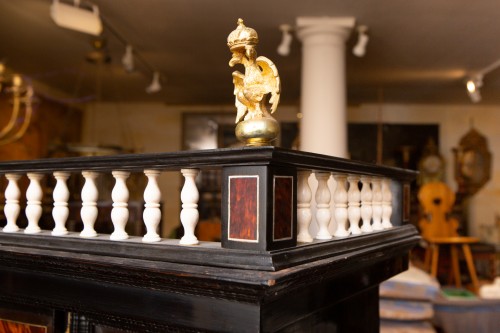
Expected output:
(258, 132)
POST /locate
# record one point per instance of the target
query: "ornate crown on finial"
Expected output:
(242, 36)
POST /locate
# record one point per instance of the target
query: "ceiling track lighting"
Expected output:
(87, 19)
(359, 49)
(475, 81)
(284, 47)
(129, 58)
(286, 40)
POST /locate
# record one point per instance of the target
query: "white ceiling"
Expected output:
(419, 51)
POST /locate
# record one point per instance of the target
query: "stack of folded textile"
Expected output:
(406, 302)
(458, 310)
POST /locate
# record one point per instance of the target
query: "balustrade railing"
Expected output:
(267, 197)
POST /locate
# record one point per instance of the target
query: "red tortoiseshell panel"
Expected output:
(243, 208)
(283, 192)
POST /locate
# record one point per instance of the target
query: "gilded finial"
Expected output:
(258, 86)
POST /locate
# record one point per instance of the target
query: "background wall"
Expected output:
(454, 122)
(156, 127)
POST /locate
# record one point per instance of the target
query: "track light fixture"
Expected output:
(473, 85)
(128, 58)
(286, 40)
(475, 81)
(76, 18)
(88, 20)
(359, 49)
(155, 85)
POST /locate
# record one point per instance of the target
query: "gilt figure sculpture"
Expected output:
(253, 90)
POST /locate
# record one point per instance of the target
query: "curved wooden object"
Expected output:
(438, 228)
(437, 200)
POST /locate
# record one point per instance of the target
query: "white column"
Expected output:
(304, 214)
(152, 213)
(90, 194)
(119, 213)
(60, 212)
(189, 212)
(34, 196)
(12, 208)
(323, 101)
(323, 213)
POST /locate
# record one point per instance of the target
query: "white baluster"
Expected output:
(366, 204)
(12, 208)
(60, 212)
(377, 204)
(323, 197)
(304, 214)
(354, 210)
(340, 199)
(119, 213)
(189, 212)
(34, 196)
(152, 212)
(89, 204)
(386, 203)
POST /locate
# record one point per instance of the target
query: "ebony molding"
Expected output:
(210, 158)
(141, 288)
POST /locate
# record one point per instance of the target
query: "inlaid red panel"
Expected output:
(244, 208)
(283, 202)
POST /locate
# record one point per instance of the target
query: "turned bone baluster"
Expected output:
(120, 213)
(189, 212)
(377, 204)
(152, 212)
(366, 205)
(60, 212)
(34, 196)
(354, 205)
(340, 199)
(323, 213)
(386, 203)
(12, 207)
(304, 214)
(89, 204)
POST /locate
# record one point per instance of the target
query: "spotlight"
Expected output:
(359, 49)
(76, 18)
(286, 40)
(128, 58)
(473, 85)
(155, 85)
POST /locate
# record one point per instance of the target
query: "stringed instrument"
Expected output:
(437, 201)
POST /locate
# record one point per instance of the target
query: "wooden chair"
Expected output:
(438, 229)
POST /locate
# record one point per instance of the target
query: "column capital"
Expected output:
(335, 26)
